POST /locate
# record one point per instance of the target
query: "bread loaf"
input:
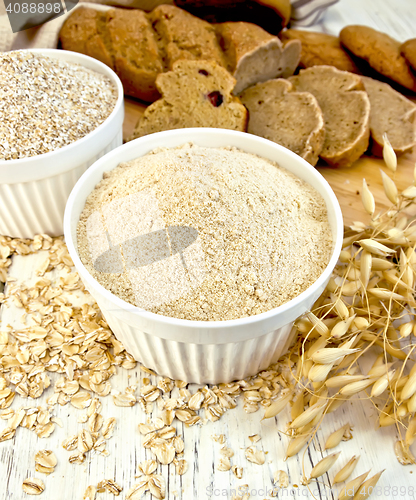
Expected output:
(292, 119)
(253, 55)
(320, 49)
(85, 32)
(194, 94)
(381, 51)
(122, 39)
(392, 114)
(346, 109)
(183, 36)
(139, 46)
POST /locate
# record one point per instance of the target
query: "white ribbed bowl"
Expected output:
(202, 351)
(34, 190)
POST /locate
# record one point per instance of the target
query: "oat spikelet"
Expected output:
(278, 406)
(382, 383)
(365, 267)
(319, 325)
(403, 453)
(318, 373)
(411, 432)
(410, 387)
(324, 465)
(308, 415)
(389, 156)
(375, 247)
(356, 387)
(406, 329)
(368, 199)
(296, 444)
(409, 192)
(390, 188)
(351, 488)
(331, 354)
(336, 437)
(384, 294)
(340, 308)
(342, 380)
(347, 470)
(298, 406)
(411, 404)
(366, 489)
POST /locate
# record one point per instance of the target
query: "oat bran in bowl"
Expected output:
(224, 256)
(59, 111)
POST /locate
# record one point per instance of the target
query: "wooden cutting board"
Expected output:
(346, 182)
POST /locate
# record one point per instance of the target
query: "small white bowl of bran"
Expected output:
(59, 112)
(202, 247)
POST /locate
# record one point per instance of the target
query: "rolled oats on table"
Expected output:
(72, 354)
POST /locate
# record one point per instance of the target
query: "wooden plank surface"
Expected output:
(202, 480)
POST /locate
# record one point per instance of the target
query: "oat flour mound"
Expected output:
(204, 233)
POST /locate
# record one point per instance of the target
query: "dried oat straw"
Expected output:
(261, 237)
(46, 103)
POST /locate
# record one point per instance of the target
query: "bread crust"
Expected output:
(183, 36)
(381, 51)
(83, 32)
(320, 49)
(346, 109)
(292, 119)
(121, 39)
(255, 56)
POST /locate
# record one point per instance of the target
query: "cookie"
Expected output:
(320, 49)
(408, 50)
(381, 51)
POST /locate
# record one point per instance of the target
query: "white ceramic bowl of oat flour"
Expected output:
(34, 190)
(202, 351)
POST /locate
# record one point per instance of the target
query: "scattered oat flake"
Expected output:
(90, 493)
(181, 466)
(254, 438)
(109, 485)
(237, 471)
(255, 456)
(281, 479)
(224, 464)
(33, 486)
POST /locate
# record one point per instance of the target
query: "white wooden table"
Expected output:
(202, 480)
